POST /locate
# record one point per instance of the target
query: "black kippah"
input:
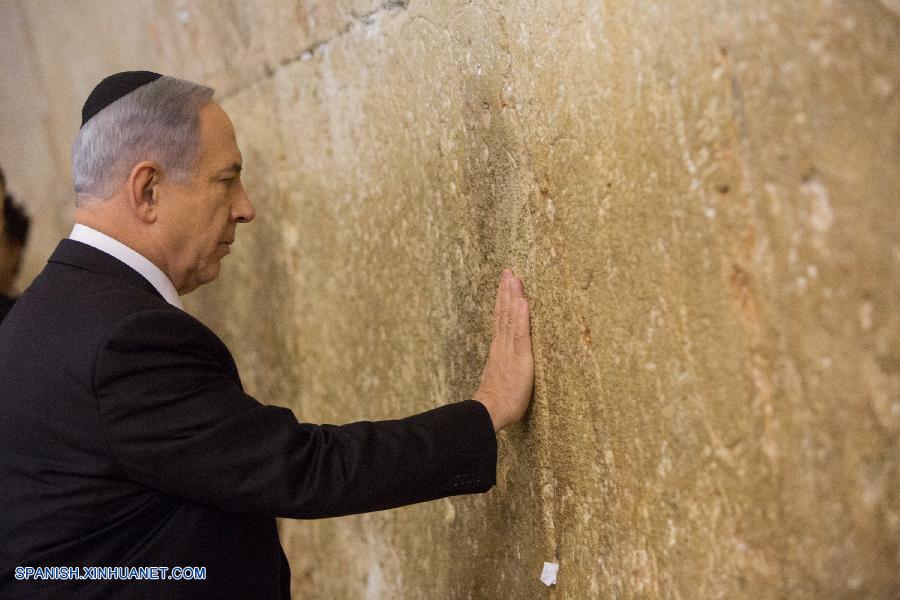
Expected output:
(112, 88)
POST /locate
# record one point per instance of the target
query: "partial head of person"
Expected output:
(157, 166)
(16, 225)
(2, 200)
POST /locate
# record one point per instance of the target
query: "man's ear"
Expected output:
(144, 190)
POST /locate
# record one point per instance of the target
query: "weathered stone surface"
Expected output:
(702, 199)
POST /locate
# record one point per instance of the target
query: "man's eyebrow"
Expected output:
(236, 167)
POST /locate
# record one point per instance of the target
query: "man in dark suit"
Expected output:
(4, 306)
(16, 225)
(5, 303)
(2, 199)
(126, 439)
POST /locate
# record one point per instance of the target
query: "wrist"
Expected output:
(491, 407)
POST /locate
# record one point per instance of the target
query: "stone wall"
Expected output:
(702, 200)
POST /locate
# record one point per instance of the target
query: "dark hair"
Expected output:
(2, 179)
(17, 222)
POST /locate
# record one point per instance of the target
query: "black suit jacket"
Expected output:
(6, 304)
(126, 439)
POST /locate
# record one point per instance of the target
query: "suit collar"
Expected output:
(81, 255)
(129, 256)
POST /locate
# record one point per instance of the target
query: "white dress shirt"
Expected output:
(115, 248)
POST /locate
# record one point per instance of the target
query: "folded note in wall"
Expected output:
(548, 575)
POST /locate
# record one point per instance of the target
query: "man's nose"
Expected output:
(244, 211)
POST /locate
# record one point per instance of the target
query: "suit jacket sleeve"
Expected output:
(176, 420)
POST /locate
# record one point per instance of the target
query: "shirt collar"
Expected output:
(138, 262)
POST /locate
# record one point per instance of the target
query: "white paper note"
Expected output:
(548, 575)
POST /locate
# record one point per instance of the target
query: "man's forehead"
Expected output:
(218, 136)
(214, 120)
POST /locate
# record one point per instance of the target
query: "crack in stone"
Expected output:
(368, 18)
(309, 51)
(365, 19)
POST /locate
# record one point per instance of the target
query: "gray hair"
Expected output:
(158, 121)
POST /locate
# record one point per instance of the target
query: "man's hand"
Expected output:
(508, 376)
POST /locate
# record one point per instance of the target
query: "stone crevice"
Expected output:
(308, 52)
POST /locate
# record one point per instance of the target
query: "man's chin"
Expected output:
(205, 276)
(212, 272)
